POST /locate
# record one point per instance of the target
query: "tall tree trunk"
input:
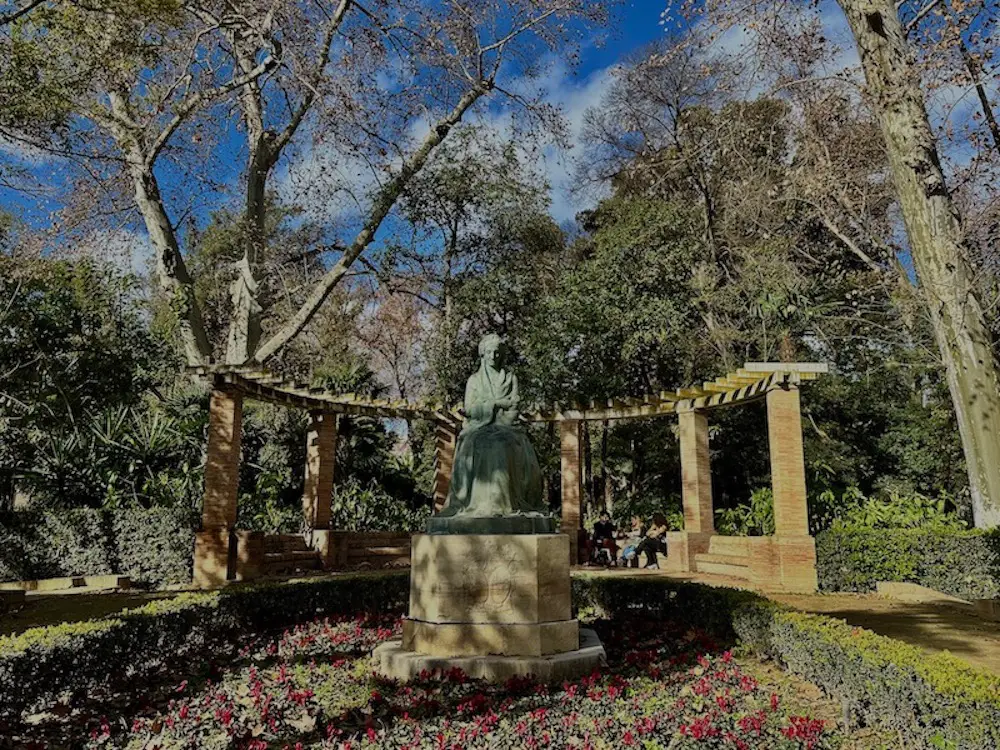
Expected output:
(588, 469)
(245, 322)
(936, 243)
(173, 275)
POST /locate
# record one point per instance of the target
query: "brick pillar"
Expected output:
(794, 551)
(788, 469)
(222, 475)
(572, 482)
(445, 438)
(321, 457)
(696, 473)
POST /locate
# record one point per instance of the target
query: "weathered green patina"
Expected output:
(496, 485)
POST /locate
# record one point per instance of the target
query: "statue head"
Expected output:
(489, 348)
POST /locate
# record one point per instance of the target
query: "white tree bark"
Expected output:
(173, 276)
(265, 148)
(936, 243)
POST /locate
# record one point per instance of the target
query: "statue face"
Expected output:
(491, 356)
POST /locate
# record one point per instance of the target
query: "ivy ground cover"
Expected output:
(665, 686)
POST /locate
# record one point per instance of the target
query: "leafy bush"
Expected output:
(119, 457)
(153, 547)
(265, 508)
(961, 563)
(755, 519)
(892, 508)
(43, 662)
(929, 701)
(368, 507)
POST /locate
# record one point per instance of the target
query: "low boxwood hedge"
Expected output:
(154, 546)
(961, 563)
(930, 701)
(42, 663)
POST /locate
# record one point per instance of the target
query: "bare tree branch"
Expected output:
(16, 14)
(384, 202)
(192, 102)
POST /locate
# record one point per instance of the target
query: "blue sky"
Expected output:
(636, 24)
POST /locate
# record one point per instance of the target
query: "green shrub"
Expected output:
(42, 663)
(961, 563)
(368, 507)
(153, 547)
(755, 519)
(929, 701)
(890, 508)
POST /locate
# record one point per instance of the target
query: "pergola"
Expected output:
(785, 561)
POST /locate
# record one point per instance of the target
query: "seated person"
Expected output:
(654, 541)
(632, 539)
(604, 538)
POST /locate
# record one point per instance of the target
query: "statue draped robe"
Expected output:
(495, 471)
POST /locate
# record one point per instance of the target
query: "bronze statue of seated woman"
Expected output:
(496, 484)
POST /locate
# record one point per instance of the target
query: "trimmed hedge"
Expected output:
(42, 663)
(153, 547)
(961, 563)
(930, 701)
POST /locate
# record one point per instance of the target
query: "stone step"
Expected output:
(270, 569)
(733, 566)
(378, 551)
(307, 558)
(285, 543)
(729, 545)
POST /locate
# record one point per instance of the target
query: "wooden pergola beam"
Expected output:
(749, 382)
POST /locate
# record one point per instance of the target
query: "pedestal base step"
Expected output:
(395, 663)
(452, 639)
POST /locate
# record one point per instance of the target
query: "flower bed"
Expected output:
(227, 653)
(312, 686)
(928, 701)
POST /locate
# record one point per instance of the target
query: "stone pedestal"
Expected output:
(495, 606)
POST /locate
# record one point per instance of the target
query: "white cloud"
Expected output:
(574, 97)
(559, 87)
(335, 187)
(127, 249)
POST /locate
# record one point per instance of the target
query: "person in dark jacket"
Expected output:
(654, 541)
